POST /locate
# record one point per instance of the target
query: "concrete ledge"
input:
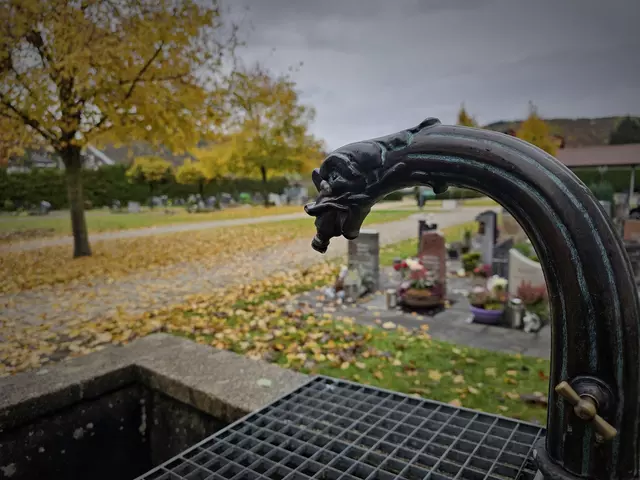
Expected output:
(219, 383)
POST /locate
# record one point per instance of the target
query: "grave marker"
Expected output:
(523, 269)
(133, 207)
(487, 235)
(433, 253)
(425, 226)
(364, 256)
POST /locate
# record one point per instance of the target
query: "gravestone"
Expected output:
(500, 262)
(274, 199)
(433, 253)
(523, 269)
(364, 257)
(425, 226)
(487, 230)
(226, 199)
(45, 207)
(631, 232)
(211, 202)
(133, 207)
(449, 204)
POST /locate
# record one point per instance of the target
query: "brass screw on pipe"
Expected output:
(586, 408)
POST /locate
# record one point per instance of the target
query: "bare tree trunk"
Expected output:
(265, 187)
(73, 173)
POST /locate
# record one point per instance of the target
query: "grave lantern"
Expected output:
(594, 402)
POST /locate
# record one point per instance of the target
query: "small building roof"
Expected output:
(600, 155)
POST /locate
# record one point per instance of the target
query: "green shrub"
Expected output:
(602, 190)
(8, 206)
(106, 184)
(470, 261)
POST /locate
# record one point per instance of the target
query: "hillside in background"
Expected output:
(577, 132)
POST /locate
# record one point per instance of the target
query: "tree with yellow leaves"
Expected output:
(466, 120)
(74, 73)
(536, 131)
(191, 173)
(151, 170)
(270, 126)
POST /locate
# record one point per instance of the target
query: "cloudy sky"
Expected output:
(372, 67)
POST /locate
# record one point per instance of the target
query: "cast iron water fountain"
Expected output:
(333, 429)
(593, 418)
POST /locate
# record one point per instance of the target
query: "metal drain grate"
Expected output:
(332, 429)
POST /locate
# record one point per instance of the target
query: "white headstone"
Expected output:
(364, 256)
(523, 269)
(133, 207)
(274, 198)
(449, 204)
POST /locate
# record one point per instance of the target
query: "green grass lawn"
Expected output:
(103, 220)
(409, 248)
(480, 202)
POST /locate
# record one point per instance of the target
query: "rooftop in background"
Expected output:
(577, 132)
(600, 155)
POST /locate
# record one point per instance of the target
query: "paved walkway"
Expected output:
(178, 227)
(154, 289)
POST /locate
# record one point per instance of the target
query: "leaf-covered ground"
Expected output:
(117, 258)
(256, 320)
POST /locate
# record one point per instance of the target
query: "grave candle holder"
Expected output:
(594, 401)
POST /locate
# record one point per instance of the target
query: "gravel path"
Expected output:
(151, 290)
(179, 227)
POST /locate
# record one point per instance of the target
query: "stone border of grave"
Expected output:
(222, 384)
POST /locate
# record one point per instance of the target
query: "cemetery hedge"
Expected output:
(109, 183)
(617, 178)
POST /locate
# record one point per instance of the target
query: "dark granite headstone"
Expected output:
(433, 254)
(425, 226)
(500, 263)
(364, 256)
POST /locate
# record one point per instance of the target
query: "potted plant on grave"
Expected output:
(536, 305)
(419, 287)
(470, 261)
(488, 304)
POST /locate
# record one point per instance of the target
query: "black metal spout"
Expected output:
(593, 296)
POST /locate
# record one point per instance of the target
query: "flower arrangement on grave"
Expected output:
(482, 271)
(420, 286)
(488, 304)
(536, 303)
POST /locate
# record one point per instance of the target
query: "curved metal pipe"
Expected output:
(593, 297)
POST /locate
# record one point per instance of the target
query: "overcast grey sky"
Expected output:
(372, 67)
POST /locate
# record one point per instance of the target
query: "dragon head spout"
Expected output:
(342, 203)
